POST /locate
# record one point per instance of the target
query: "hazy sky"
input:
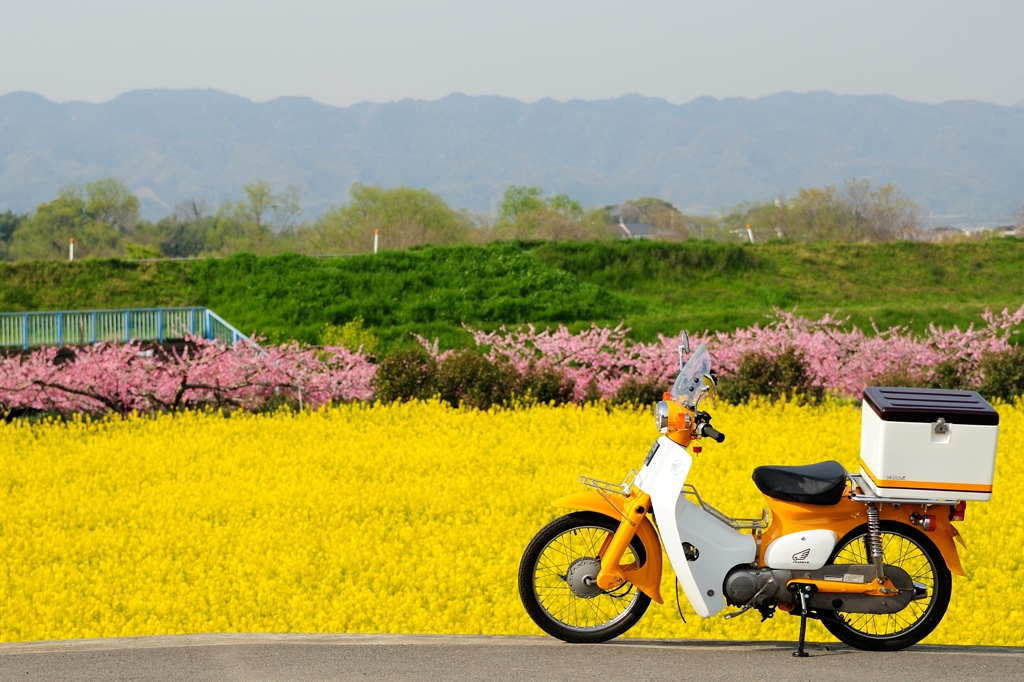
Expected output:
(341, 52)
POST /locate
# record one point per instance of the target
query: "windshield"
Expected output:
(688, 383)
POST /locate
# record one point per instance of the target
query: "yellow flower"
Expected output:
(399, 518)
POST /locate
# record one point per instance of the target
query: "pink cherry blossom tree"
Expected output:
(123, 378)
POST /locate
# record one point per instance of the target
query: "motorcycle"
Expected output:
(872, 566)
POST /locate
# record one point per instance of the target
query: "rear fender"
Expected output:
(944, 539)
(846, 515)
(647, 578)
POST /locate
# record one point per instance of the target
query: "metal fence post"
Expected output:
(160, 325)
(24, 329)
(92, 325)
(209, 327)
(60, 330)
(127, 325)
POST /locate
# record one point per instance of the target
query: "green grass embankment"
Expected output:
(697, 285)
(653, 287)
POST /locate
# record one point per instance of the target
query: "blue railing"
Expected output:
(82, 327)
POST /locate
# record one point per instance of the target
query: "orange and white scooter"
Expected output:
(870, 555)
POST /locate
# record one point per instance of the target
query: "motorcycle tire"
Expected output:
(908, 548)
(569, 545)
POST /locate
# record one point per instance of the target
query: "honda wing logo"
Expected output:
(801, 556)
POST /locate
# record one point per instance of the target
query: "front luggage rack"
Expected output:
(623, 488)
(603, 488)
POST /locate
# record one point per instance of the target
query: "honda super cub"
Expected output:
(870, 554)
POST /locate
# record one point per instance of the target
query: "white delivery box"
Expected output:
(921, 443)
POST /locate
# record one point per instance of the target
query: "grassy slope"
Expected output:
(698, 286)
(655, 287)
(429, 291)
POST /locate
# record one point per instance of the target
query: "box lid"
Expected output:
(928, 404)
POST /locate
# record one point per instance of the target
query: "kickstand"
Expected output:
(800, 653)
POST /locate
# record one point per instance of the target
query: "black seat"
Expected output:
(822, 483)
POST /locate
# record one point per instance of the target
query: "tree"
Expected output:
(880, 214)
(858, 212)
(99, 221)
(524, 213)
(46, 234)
(566, 206)
(267, 210)
(287, 208)
(9, 222)
(519, 200)
(257, 206)
(193, 208)
(403, 216)
(261, 216)
(109, 201)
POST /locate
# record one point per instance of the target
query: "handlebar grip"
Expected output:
(708, 431)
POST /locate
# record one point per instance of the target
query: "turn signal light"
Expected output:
(957, 513)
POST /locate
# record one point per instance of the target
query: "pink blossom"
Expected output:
(841, 360)
(123, 378)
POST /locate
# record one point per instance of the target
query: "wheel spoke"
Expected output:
(556, 595)
(901, 552)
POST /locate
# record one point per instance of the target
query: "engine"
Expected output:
(742, 583)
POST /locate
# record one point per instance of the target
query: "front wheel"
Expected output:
(903, 547)
(556, 581)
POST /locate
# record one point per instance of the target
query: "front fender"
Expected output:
(647, 578)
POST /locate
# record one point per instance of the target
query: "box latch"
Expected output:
(941, 428)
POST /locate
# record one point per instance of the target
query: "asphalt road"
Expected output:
(269, 658)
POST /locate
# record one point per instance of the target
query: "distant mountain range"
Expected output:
(963, 161)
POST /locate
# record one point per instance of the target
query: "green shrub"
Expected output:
(636, 392)
(1003, 374)
(773, 377)
(406, 374)
(546, 384)
(468, 378)
(949, 374)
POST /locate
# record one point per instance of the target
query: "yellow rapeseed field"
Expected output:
(402, 518)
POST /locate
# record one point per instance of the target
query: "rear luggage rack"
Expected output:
(863, 493)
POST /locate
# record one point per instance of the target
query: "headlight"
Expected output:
(661, 416)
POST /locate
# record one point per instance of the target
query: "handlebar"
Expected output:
(707, 431)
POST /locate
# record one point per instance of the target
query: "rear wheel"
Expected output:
(907, 548)
(556, 581)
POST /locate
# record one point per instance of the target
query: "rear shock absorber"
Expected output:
(875, 541)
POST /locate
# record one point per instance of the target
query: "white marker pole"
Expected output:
(71, 249)
(750, 233)
(376, 233)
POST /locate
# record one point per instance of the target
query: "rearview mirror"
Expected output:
(684, 347)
